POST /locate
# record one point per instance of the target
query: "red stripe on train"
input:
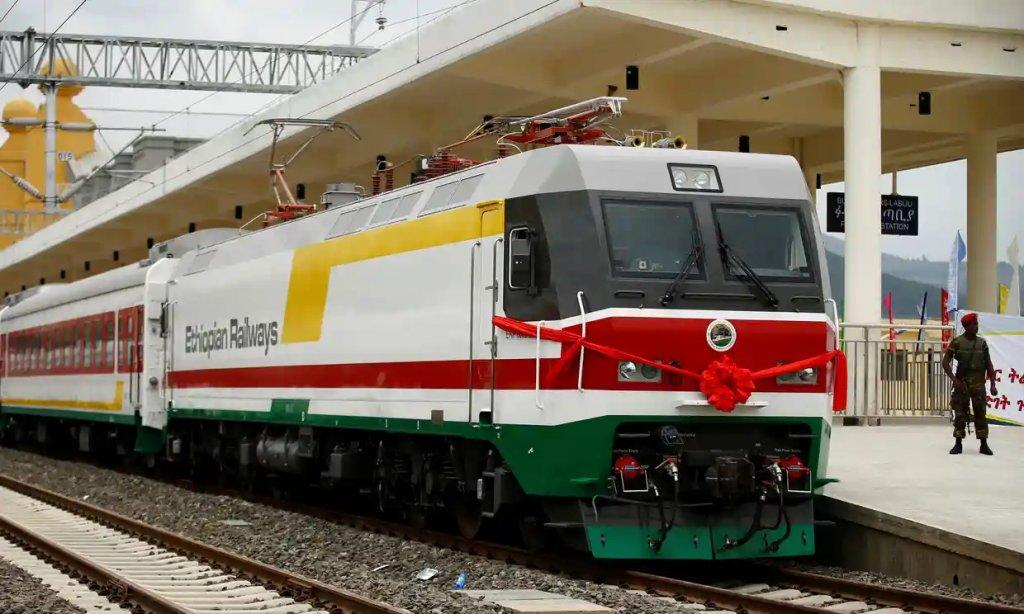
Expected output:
(759, 345)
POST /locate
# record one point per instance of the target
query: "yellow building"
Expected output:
(22, 154)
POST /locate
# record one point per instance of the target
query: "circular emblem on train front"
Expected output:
(721, 335)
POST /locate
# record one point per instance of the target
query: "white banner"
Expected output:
(1005, 337)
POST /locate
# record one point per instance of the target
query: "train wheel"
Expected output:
(468, 519)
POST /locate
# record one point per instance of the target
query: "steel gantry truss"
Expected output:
(131, 61)
(26, 58)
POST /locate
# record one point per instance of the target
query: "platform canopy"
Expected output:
(791, 75)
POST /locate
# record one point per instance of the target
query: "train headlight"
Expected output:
(694, 178)
(806, 376)
(630, 371)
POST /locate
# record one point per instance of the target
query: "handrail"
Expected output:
(583, 321)
(835, 311)
(494, 307)
(536, 385)
(472, 301)
(881, 325)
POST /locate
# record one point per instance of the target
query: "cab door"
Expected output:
(153, 344)
(485, 282)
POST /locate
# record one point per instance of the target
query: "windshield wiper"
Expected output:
(744, 268)
(691, 259)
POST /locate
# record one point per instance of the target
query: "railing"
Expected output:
(895, 377)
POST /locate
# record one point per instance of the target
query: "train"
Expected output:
(630, 349)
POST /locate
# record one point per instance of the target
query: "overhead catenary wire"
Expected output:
(9, 9)
(45, 44)
(416, 18)
(164, 111)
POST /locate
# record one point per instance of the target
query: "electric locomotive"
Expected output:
(631, 348)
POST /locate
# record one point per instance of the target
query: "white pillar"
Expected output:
(981, 222)
(862, 170)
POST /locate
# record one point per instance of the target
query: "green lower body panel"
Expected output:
(621, 530)
(800, 542)
(69, 414)
(148, 440)
(696, 543)
(634, 542)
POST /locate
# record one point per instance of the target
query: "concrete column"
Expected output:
(981, 222)
(862, 170)
(810, 177)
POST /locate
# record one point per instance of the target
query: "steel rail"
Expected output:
(111, 582)
(297, 586)
(887, 595)
(662, 585)
(878, 594)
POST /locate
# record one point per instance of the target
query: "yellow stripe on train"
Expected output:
(312, 264)
(114, 405)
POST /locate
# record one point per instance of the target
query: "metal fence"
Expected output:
(895, 377)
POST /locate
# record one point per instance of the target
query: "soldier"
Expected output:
(973, 365)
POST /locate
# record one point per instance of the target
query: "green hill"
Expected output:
(907, 279)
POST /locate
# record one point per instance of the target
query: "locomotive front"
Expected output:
(677, 312)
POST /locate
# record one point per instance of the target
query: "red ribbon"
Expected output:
(723, 383)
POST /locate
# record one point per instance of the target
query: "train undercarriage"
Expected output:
(673, 490)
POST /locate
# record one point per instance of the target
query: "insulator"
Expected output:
(389, 179)
(670, 143)
(375, 184)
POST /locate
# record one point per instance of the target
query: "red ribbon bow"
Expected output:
(723, 382)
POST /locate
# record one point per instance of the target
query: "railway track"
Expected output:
(158, 571)
(749, 588)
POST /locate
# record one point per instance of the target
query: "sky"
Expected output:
(941, 189)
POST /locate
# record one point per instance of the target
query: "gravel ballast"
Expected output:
(329, 552)
(23, 593)
(348, 557)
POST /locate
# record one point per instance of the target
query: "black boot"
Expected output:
(984, 448)
(957, 448)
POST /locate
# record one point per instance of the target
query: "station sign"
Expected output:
(899, 214)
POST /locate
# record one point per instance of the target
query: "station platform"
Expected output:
(906, 506)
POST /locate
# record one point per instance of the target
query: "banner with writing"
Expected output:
(1005, 337)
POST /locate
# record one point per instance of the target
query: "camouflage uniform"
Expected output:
(971, 366)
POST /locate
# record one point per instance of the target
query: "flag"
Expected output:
(1013, 302)
(944, 314)
(1004, 293)
(956, 256)
(922, 311)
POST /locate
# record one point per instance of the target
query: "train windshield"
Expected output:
(649, 239)
(770, 241)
